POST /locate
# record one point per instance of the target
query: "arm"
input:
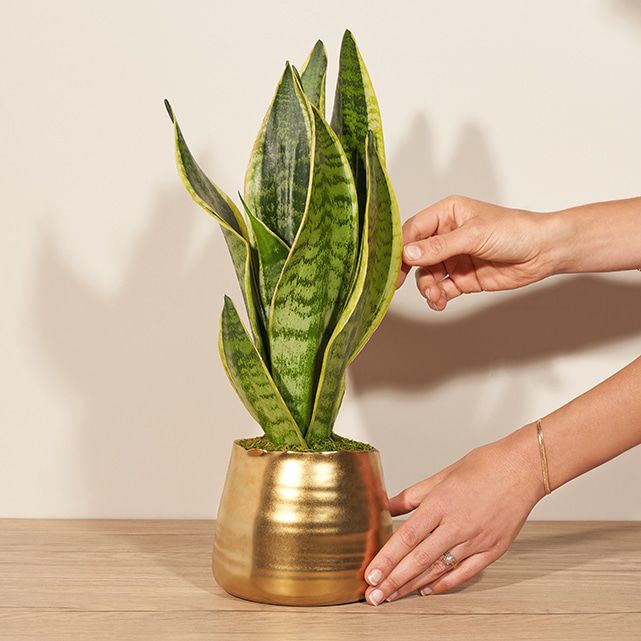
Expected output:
(461, 245)
(595, 427)
(476, 507)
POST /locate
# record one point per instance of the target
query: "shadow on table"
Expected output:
(530, 558)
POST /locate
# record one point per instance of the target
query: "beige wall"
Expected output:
(113, 399)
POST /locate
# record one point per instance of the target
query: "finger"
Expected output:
(428, 282)
(463, 572)
(406, 538)
(405, 269)
(419, 226)
(412, 496)
(423, 225)
(437, 569)
(441, 247)
(430, 276)
(464, 274)
(447, 291)
(416, 228)
(425, 555)
(438, 216)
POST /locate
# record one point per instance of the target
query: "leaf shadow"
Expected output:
(150, 436)
(409, 355)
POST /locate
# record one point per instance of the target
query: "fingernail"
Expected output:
(376, 597)
(392, 596)
(412, 252)
(374, 577)
(426, 591)
(426, 293)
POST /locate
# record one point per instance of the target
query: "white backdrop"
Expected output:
(114, 402)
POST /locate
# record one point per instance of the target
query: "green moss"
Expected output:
(333, 443)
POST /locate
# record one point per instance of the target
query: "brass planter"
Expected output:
(299, 528)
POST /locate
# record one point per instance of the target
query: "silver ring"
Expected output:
(448, 559)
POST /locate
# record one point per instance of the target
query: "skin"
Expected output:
(476, 507)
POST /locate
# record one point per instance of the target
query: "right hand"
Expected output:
(462, 245)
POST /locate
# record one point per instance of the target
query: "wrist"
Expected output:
(558, 242)
(521, 447)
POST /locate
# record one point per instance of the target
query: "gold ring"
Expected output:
(448, 559)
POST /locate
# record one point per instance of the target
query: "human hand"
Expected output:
(473, 509)
(462, 245)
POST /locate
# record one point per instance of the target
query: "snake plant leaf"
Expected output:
(279, 170)
(355, 112)
(379, 265)
(216, 203)
(317, 275)
(313, 74)
(272, 254)
(252, 381)
(385, 241)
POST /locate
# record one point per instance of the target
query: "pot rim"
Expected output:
(259, 451)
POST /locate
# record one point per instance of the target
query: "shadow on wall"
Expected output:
(400, 342)
(414, 354)
(419, 181)
(141, 363)
(574, 314)
(627, 9)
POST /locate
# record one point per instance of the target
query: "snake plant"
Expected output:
(317, 252)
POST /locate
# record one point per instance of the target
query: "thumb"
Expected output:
(411, 497)
(436, 249)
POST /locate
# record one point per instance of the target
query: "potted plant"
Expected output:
(317, 256)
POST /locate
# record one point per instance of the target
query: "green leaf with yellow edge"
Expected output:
(356, 112)
(317, 275)
(379, 266)
(272, 254)
(252, 381)
(216, 203)
(313, 74)
(279, 171)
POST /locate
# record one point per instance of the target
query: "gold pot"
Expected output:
(299, 528)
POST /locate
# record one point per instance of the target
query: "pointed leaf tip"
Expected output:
(170, 111)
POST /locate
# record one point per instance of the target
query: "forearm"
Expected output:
(599, 237)
(586, 432)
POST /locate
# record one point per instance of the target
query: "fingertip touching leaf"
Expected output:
(252, 381)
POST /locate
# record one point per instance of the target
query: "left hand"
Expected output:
(474, 509)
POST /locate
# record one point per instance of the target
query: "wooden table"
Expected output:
(133, 580)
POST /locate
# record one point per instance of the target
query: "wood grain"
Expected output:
(151, 580)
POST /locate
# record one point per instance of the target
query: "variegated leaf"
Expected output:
(379, 265)
(278, 175)
(313, 74)
(215, 202)
(252, 381)
(317, 275)
(355, 112)
(272, 254)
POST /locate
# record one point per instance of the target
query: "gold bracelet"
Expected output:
(544, 458)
